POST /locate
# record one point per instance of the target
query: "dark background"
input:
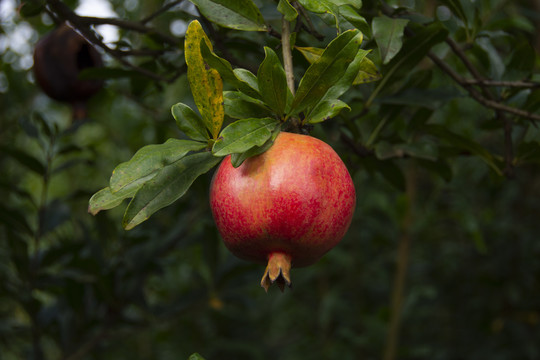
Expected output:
(432, 217)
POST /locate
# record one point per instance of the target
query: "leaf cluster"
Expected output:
(158, 175)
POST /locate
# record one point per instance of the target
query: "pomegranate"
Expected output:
(286, 207)
(59, 58)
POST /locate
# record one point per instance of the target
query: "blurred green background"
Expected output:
(462, 224)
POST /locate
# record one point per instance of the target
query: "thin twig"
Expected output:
(476, 95)
(489, 96)
(508, 84)
(484, 97)
(82, 24)
(272, 32)
(464, 59)
(309, 25)
(138, 52)
(358, 149)
(128, 25)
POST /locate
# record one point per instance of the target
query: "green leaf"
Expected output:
(249, 78)
(323, 7)
(388, 34)
(189, 122)
(353, 70)
(170, 183)
(522, 62)
(25, 159)
(336, 8)
(105, 199)
(195, 356)
(440, 168)
(358, 21)
(413, 51)
(456, 7)
(7, 186)
(14, 219)
(495, 62)
(367, 71)
(532, 103)
(272, 82)
(330, 106)
(388, 170)
(461, 142)
(233, 14)
(354, 3)
(317, 6)
(326, 71)
(146, 162)
(241, 79)
(242, 135)
(238, 158)
(206, 84)
(288, 11)
(241, 106)
(326, 110)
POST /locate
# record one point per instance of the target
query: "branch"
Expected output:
(82, 24)
(476, 95)
(501, 115)
(138, 52)
(359, 150)
(287, 56)
(516, 84)
(272, 32)
(128, 25)
(485, 97)
(309, 25)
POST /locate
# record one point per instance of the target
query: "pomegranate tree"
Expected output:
(278, 198)
(286, 207)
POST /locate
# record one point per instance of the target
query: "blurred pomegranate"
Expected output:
(59, 58)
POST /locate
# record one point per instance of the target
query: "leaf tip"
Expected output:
(92, 210)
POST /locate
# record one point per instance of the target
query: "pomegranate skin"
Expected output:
(297, 200)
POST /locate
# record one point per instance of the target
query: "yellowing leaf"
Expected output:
(311, 54)
(194, 35)
(206, 84)
(217, 110)
(368, 72)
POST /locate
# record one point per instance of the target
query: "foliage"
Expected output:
(432, 105)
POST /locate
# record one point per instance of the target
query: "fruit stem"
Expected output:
(287, 55)
(277, 271)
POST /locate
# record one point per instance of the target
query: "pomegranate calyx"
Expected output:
(277, 271)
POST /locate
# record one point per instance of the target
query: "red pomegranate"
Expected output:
(286, 207)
